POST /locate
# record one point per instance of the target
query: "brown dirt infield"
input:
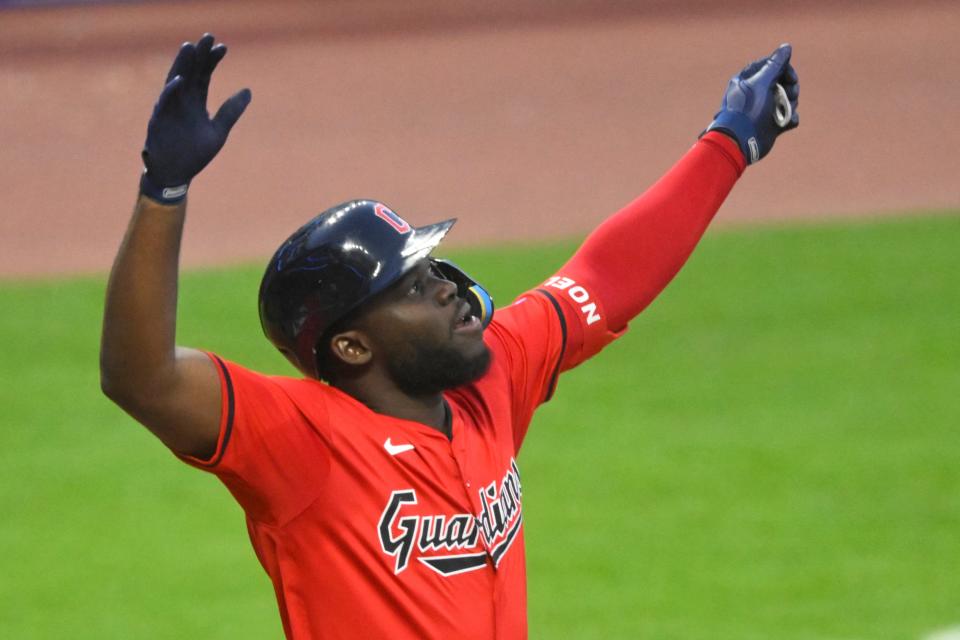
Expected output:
(525, 119)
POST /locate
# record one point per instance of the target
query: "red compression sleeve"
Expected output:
(629, 259)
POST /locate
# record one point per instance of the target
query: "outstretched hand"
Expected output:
(749, 111)
(181, 137)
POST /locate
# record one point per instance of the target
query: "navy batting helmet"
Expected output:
(340, 259)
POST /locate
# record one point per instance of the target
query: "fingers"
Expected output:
(210, 62)
(794, 121)
(789, 75)
(169, 91)
(791, 82)
(196, 61)
(776, 62)
(201, 67)
(195, 64)
(752, 68)
(781, 56)
(231, 110)
(772, 66)
(183, 63)
(216, 55)
(202, 55)
(193, 67)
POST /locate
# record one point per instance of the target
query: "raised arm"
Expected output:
(173, 391)
(629, 259)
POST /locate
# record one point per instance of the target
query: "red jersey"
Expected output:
(376, 527)
(371, 526)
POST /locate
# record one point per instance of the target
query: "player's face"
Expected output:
(425, 334)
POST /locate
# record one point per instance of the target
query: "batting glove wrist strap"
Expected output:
(740, 128)
(163, 195)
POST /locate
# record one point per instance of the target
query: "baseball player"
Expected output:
(381, 489)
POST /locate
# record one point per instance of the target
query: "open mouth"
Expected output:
(466, 321)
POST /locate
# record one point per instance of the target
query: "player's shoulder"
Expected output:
(311, 396)
(525, 317)
(523, 329)
(250, 385)
(304, 390)
(534, 302)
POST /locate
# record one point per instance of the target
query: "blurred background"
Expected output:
(524, 118)
(770, 452)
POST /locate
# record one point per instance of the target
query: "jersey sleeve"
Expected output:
(269, 454)
(619, 270)
(546, 331)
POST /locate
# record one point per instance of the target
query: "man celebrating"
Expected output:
(381, 490)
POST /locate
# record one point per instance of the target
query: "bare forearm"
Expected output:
(139, 325)
(174, 392)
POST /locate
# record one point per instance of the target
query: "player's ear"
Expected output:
(351, 347)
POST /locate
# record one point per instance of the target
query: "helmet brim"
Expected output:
(423, 240)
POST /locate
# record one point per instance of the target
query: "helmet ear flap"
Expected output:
(481, 304)
(479, 299)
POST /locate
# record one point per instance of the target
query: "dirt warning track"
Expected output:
(522, 119)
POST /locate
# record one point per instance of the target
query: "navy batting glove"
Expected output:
(760, 103)
(181, 137)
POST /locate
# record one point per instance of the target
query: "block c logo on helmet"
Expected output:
(399, 224)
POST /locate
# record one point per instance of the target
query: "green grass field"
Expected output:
(771, 452)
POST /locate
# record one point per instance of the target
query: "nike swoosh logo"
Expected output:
(394, 449)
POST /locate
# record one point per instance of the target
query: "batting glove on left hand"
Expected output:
(748, 112)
